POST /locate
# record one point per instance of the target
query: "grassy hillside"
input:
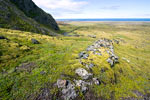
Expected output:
(27, 70)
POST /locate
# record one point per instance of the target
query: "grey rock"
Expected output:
(84, 89)
(83, 85)
(90, 48)
(116, 41)
(92, 36)
(126, 59)
(111, 47)
(96, 81)
(113, 59)
(110, 61)
(42, 72)
(29, 66)
(69, 91)
(99, 54)
(83, 73)
(34, 41)
(112, 50)
(83, 55)
(78, 82)
(89, 66)
(61, 83)
(82, 63)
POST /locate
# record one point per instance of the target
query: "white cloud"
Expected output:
(61, 4)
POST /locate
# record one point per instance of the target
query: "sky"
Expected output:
(64, 9)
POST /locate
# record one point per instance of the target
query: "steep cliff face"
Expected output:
(26, 16)
(33, 11)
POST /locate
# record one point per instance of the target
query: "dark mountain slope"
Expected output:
(26, 16)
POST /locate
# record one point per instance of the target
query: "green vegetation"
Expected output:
(22, 62)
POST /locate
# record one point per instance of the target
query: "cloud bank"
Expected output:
(61, 4)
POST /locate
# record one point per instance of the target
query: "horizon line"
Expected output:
(102, 18)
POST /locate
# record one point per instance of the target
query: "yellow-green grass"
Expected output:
(57, 55)
(134, 45)
(54, 55)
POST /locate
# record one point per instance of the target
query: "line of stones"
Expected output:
(68, 88)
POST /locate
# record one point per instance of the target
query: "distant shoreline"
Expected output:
(109, 20)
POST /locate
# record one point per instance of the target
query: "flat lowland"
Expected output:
(30, 71)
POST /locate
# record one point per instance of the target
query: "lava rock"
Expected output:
(83, 73)
(34, 41)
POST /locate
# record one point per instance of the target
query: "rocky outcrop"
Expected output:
(33, 11)
(26, 16)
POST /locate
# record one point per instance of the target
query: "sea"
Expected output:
(108, 19)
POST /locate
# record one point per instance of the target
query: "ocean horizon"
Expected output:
(107, 19)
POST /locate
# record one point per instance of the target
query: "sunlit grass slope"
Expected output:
(133, 72)
(53, 55)
(56, 56)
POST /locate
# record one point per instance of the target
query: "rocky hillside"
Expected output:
(25, 15)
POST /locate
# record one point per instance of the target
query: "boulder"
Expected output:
(83, 73)
(34, 41)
